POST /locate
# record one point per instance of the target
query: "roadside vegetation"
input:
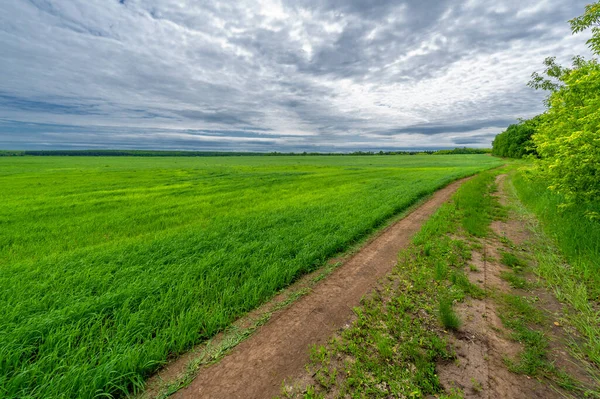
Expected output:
(568, 257)
(407, 330)
(112, 266)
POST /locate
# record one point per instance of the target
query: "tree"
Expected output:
(515, 141)
(589, 19)
(567, 138)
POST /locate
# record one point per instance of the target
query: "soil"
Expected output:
(279, 350)
(482, 342)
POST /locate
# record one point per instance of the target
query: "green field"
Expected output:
(109, 266)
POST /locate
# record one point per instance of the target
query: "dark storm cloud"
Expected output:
(304, 74)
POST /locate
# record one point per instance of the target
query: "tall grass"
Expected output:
(109, 266)
(567, 251)
(472, 201)
(577, 236)
(448, 316)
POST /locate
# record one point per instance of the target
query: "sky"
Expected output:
(289, 75)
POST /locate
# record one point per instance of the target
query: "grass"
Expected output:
(518, 266)
(111, 266)
(511, 260)
(472, 201)
(392, 348)
(455, 393)
(577, 236)
(514, 280)
(527, 323)
(448, 316)
(477, 385)
(566, 249)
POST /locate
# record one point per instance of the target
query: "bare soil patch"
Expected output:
(483, 343)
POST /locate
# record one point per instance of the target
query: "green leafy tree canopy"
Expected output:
(567, 138)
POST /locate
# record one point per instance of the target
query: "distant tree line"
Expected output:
(464, 150)
(151, 153)
(8, 153)
(565, 139)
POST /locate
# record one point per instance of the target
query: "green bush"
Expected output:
(568, 137)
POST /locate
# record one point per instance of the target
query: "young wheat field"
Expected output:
(110, 266)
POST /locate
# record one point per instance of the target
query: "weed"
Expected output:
(448, 316)
(312, 394)
(454, 393)
(459, 279)
(521, 310)
(427, 249)
(521, 317)
(512, 261)
(514, 280)
(441, 270)
(477, 385)
(476, 245)
(533, 359)
(506, 241)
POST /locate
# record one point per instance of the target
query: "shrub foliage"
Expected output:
(565, 138)
(568, 137)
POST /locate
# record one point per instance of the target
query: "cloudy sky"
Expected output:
(289, 75)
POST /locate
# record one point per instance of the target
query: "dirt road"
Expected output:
(280, 349)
